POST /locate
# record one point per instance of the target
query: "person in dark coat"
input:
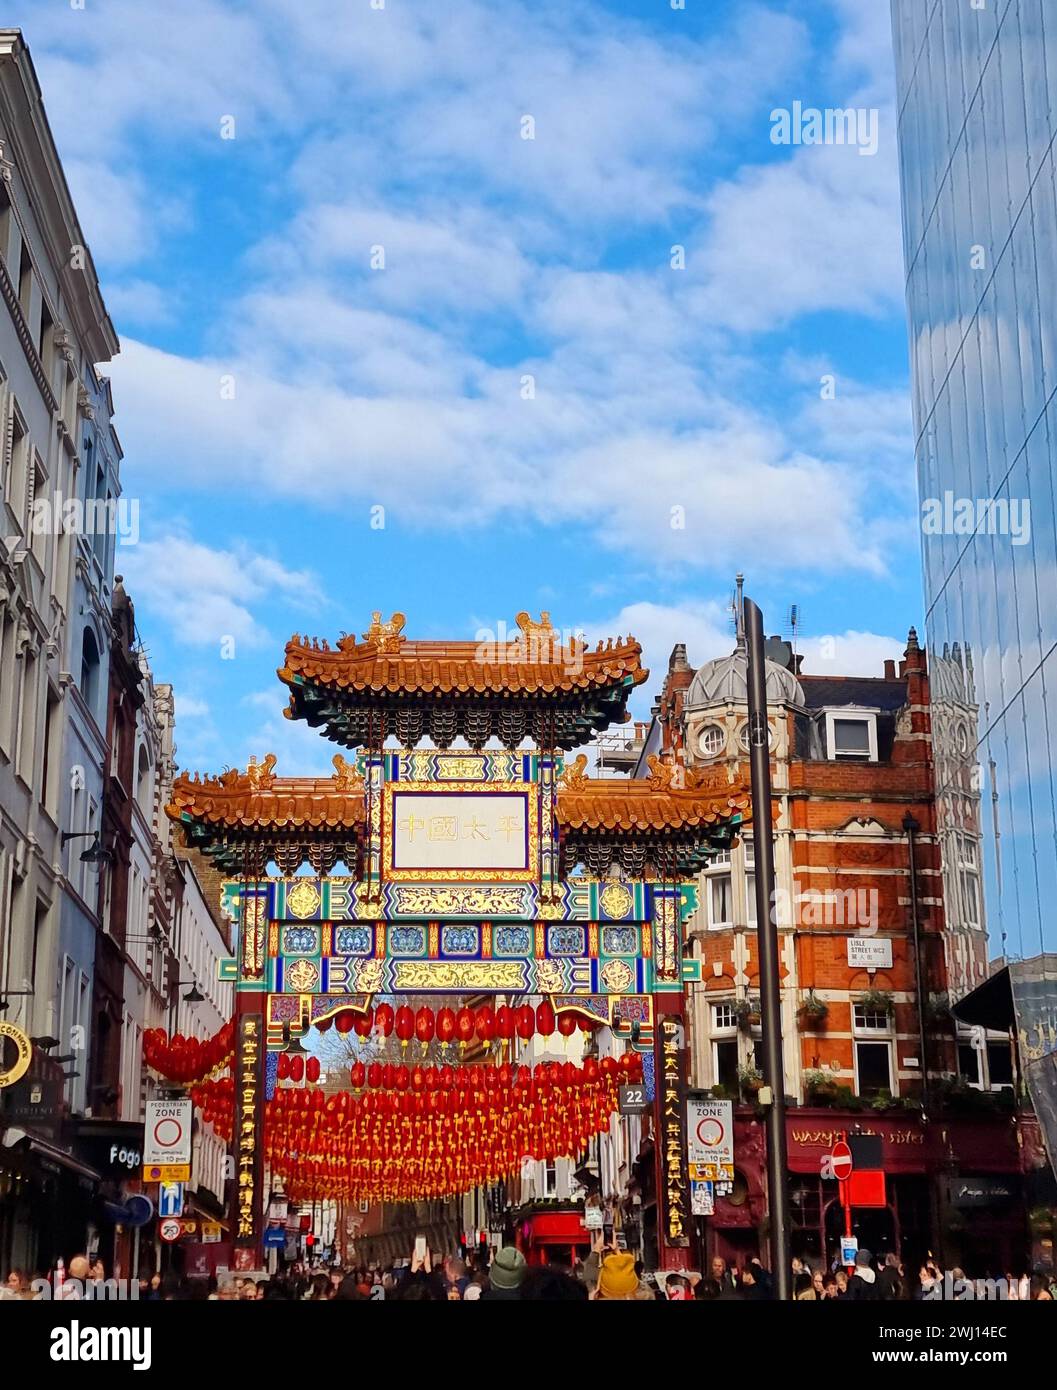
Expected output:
(890, 1282)
(722, 1275)
(755, 1283)
(862, 1286)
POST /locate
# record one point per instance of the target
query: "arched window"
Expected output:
(89, 668)
(143, 781)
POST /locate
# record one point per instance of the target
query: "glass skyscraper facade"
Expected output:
(977, 106)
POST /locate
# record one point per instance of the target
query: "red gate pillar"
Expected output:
(247, 1139)
(674, 1222)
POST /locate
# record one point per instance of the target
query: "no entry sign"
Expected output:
(840, 1161)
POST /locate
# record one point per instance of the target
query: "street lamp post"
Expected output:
(767, 945)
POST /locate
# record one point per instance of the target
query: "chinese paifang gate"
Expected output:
(494, 868)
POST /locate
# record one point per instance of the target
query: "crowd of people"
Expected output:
(607, 1274)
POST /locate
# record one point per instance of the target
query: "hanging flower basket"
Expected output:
(878, 1001)
(750, 1080)
(747, 1012)
(812, 1012)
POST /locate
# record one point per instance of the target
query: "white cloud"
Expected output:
(469, 456)
(140, 302)
(706, 628)
(868, 427)
(849, 653)
(114, 211)
(300, 750)
(205, 596)
(189, 707)
(817, 231)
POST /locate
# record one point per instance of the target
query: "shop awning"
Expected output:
(27, 1143)
(989, 1005)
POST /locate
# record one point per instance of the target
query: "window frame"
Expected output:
(850, 715)
(706, 753)
(727, 923)
(872, 1035)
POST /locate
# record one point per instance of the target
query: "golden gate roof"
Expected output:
(535, 682)
(257, 800)
(670, 799)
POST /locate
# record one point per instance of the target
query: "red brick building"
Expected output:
(870, 1045)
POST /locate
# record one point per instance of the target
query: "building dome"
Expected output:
(726, 679)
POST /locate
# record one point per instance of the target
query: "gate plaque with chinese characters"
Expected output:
(463, 833)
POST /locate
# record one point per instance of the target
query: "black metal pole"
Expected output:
(911, 826)
(767, 945)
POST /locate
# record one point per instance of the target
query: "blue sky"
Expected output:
(247, 260)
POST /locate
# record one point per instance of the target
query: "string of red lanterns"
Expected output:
(485, 1024)
(402, 1146)
(216, 1100)
(387, 1077)
(188, 1060)
(403, 1142)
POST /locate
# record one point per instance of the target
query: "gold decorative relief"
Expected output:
(617, 976)
(616, 900)
(302, 900)
(433, 901)
(486, 975)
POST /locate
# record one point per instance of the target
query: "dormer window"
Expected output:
(851, 735)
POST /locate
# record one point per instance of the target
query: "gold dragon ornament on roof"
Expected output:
(386, 637)
(347, 775)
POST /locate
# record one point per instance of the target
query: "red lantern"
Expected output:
(357, 1075)
(445, 1025)
(405, 1024)
(485, 1024)
(525, 1019)
(344, 1021)
(504, 1022)
(283, 1070)
(384, 1019)
(363, 1024)
(374, 1075)
(312, 1069)
(465, 1025)
(424, 1025)
(297, 1067)
(545, 1018)
(401, 1078)
(566, 1024)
